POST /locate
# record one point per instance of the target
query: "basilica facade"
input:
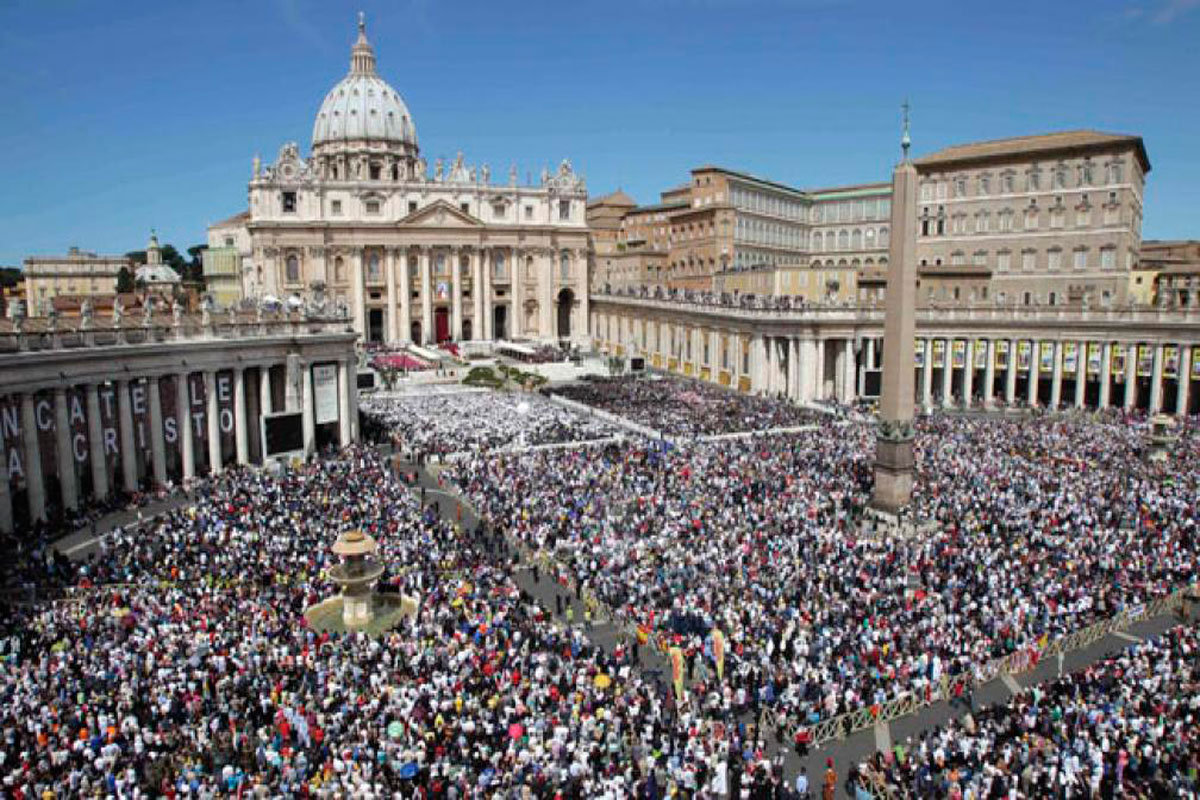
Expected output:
(413, 254)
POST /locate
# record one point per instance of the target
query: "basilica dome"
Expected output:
(362, 107)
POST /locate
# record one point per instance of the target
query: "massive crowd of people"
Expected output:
(472, 421)
(682, 407)
(1123, 727)
(182, 662)
(1043, 526)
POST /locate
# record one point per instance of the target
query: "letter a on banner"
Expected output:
(676, 656)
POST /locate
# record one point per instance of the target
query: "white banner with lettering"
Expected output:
(325, 393)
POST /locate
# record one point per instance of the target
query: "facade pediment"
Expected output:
(439, 215)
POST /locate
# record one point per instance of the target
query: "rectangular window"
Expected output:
(1029, 260)
(1004, 262)
(564, 210)
(960, 187)
(979, 259)
(289, 202)
(1108, 258)
(465, 207)
(1114, 173)
(1057, 218)
(375, 172)
(412, 206)
(372, 206)
(1010, 184)
(1035, 180)
(1055, 261)
(1083, 218)
(335, 208)
(1081, 259)
(1112, 215)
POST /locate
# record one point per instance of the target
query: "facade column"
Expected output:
(1056, 377)
(310, 428)
(456, 309)
(1156, 380)
(405, 296)
(486, 268)
(6, 509)
(128, 456)
(839, 371)
(545, 279)
(1131, 358)
(264, 390)
(476, 294)
(582, 336)
(867, 352)
(158, 445)
(1183, 384)
(1010, 374)
(1105, 374)
(516, 325)
(948, 374)
(1081, 362)
(69, 492)
(360, 295)
(927, 377)
(183, 419)
(96, 443)
(968, 384)
(757, 357)
(239, 414)
(393, 333)
(426, 298)
(1035, 372)
(35, 487)
(212, 416)
(989, 373)
(343, 378)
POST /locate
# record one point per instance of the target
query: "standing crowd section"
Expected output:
(177, 659)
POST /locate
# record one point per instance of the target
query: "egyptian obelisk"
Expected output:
(894, 437)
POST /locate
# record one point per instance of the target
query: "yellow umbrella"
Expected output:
(603, 681)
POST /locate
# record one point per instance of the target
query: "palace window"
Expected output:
(1028, 260)
(1034, 180)
(1003, 261)
(1081, 258)
(1114, 172)
(1108, 257)
(960, 187)
(1055, 260)
(289, 202)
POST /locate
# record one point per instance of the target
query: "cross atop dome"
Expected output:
(362, 56)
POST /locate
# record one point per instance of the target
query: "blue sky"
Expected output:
(122, 116)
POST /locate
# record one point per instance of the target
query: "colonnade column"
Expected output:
(405, 296)
(793, 391)
(128, 456)
(426, 298)
(1035, 372)
(989, 373)
(968, 384)
(158, 446)
(211, 413)
(1010, 374)
(1056, 376)
(69, 492)
(389, 260)
(927, 377)
(35, 488)
(1156, 377)
(310, 429)
(714, 355)
(6, 509)
(186, 446)
(344, 390)
(1131, 358)
(1105, 374)
(96, 443)
(239, 415)
(1081, 374)
(456, 310)
(1183, 380)
(948, 374)
(819, 394)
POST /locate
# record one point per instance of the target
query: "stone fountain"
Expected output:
(356, 575)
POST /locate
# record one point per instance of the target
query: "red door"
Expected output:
(441, 319)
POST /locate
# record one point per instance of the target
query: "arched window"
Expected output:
(339, 270)
(856, 239)
(564, 262)
(293, 269)
(883, 237)
(843, 240)
(869, 238)
(818, 242)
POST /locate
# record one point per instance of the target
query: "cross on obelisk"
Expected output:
(894, 437)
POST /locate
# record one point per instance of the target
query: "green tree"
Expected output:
(194, 270)
(9, 277)
(125, 283)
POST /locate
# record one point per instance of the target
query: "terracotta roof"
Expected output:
(236, 219)
(617, 198)
(1029, 145)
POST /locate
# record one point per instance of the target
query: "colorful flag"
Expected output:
(719, 652)
(676, 656)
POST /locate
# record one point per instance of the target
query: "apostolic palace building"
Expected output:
(415, 255)
(1034, 289)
